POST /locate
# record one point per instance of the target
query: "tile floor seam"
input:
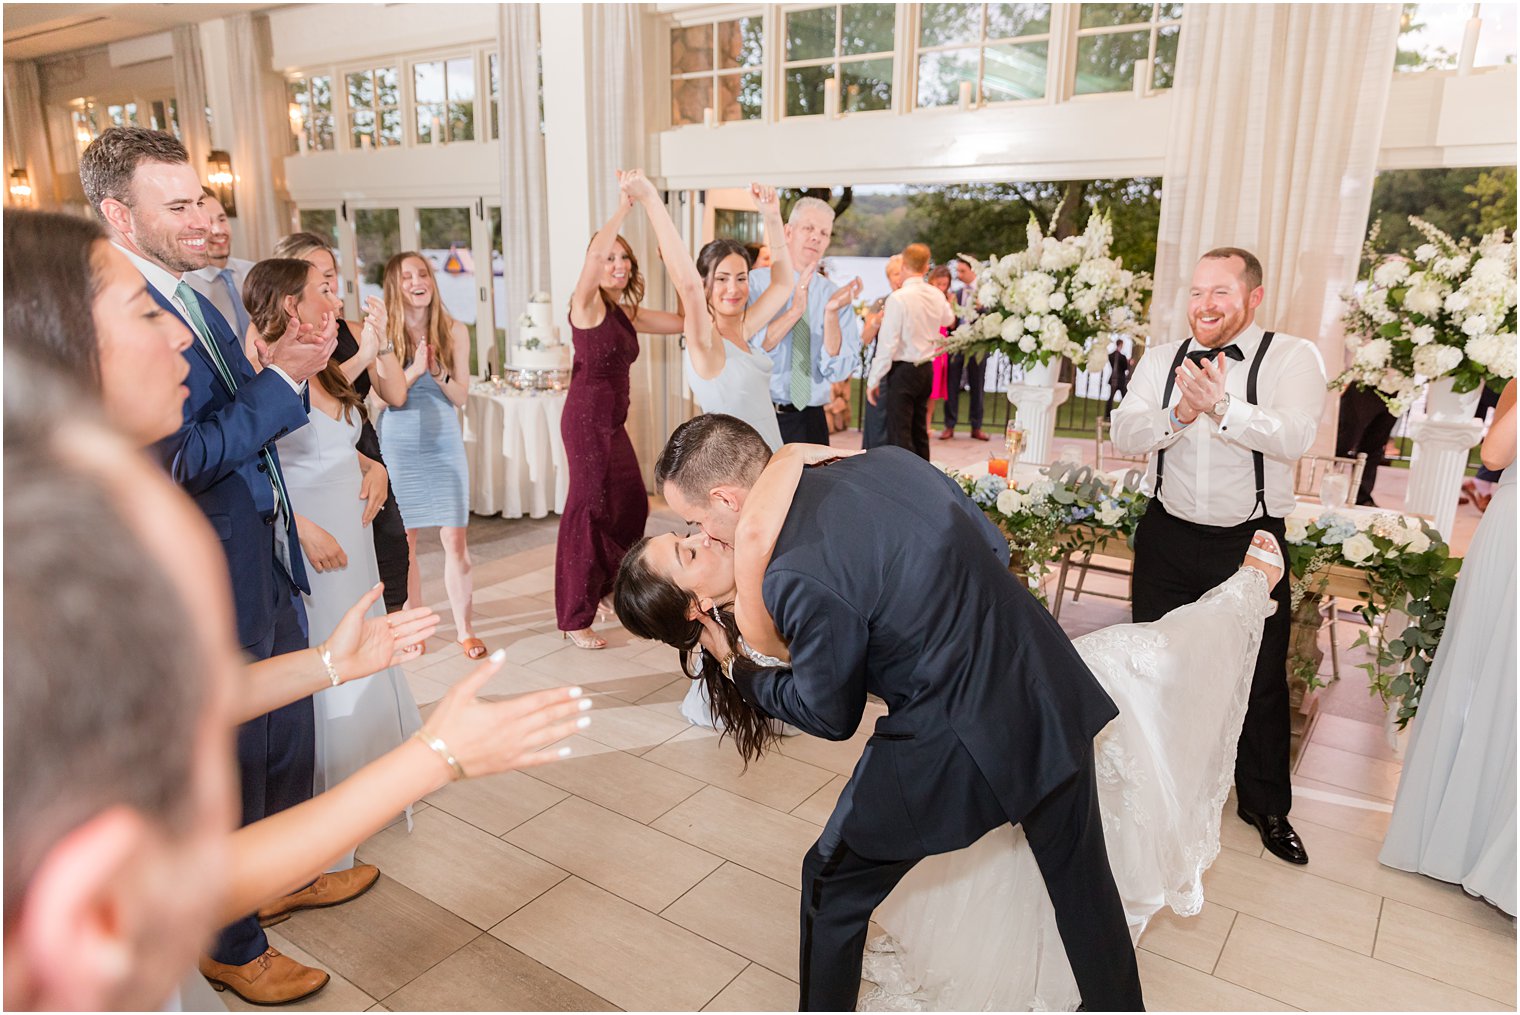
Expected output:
(730, 983)
(1225, 943)
(678, 803)
(424, 972)
(829, 777)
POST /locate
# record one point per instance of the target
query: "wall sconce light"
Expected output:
(21, 185)
(219, 178)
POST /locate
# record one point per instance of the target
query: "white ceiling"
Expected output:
(41, 30)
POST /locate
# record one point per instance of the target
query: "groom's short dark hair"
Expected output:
(711, 450)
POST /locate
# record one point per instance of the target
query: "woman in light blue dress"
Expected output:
(1454, 817)
(421, 438)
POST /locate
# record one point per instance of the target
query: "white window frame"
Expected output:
(1049, 37)
(346, 119)
(837, 60)
(410, 104)
(1076, 33)
(715, 72)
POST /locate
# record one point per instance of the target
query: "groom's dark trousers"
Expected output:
(991, 714)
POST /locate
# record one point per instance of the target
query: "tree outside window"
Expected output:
(853, 43)
(312, 98)
(445, 100)
(716, 65)
(374, 107)
(1001, 50)
(1113, 40)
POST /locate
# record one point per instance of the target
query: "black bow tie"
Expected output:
(1230, 351)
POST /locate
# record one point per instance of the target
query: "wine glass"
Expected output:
(1014, 440)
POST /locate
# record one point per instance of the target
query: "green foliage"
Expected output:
(1460, 202)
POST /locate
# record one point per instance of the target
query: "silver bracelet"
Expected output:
(438, 747)
(386, 348)
(332, 671)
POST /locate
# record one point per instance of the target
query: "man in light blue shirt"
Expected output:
(797, 341)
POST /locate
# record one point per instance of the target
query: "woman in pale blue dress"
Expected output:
(723, 372)
(360, 720)
(1454, 817)
(421, 438)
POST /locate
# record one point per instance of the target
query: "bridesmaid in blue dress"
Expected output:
(1454, 817)
(421, 438)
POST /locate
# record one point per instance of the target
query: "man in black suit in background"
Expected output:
(991, 711)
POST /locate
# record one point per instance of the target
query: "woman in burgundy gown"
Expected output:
(606, 506)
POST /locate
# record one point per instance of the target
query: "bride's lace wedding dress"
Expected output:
(974, 930)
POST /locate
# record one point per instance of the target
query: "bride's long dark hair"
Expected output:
(652, 606)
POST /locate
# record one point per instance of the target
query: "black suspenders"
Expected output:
(1258, 460)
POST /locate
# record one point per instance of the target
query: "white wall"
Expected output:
(1437, 118)
(320, 34)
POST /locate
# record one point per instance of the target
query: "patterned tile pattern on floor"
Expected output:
(652, 871)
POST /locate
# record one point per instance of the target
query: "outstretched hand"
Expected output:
(765, 198)
(487, 737)
(363, 645)
(636, 186)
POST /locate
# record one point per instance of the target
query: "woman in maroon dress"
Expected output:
(606, 506)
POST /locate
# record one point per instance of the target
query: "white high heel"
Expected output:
(1273, 556)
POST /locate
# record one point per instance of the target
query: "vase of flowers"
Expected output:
(1443, 316)
(1054, 298)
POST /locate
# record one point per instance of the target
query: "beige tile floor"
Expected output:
(651, 872)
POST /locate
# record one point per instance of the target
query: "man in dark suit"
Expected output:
(991, 711)
(141, 184)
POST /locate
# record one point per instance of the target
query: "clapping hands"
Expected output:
(303, 350)
(1200, 387)
(845, 295)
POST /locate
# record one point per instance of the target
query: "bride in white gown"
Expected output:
(974, 929)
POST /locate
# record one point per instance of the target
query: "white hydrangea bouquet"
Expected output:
(1446, 312)
(1055, 298)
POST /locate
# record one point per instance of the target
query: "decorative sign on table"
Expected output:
(1405, 568)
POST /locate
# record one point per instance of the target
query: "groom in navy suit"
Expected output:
(141, 184)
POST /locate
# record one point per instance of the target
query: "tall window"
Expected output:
(164, 115)
(374, 108)
(851, 43)
(312, 113)
(1114, 39)
(716, 66)
(123, 115)
(445, 96)
(1430, 35)
(1001, 50)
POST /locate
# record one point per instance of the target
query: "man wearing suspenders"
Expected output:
(1225, 414)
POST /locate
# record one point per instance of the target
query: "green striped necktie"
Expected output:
(802, 362)
(192, 307)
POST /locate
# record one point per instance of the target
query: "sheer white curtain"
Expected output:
(616, 119)
(1278, 112)
(26, 141)
(259, 137)
(190, 94)
(524, 211)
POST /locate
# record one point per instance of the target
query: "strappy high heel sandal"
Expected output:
(1270, 554)
(587, 639)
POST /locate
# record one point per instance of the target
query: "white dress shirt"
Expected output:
(910, 326)
(1210, 478)
(166, 284)
(208, 282)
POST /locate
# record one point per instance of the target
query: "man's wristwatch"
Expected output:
(1220, 407)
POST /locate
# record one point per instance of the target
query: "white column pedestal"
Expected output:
(1441, 446)
(1036, 405)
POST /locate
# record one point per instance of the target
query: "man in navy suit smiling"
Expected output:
(141, 184)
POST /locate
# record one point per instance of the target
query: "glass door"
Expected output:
(456, 240)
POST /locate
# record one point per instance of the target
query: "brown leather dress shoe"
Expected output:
(328, 890)
(946, 434)
(271, 978)
(979, 435)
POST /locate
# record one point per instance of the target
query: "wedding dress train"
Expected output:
(974, 930)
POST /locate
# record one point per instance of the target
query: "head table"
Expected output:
(516, 456)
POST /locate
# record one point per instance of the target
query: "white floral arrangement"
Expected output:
(1448, 310)
(539, 297)
(1063, 297)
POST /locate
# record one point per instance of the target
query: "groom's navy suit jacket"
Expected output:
(215, 457)
(990, 707)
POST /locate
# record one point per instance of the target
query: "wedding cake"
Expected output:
(537, 345)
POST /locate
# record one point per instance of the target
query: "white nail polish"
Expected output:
(576, 692)
(585, 704)
(499, 655)
(583, 722)
(564, 752)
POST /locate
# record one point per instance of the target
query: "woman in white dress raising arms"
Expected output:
(724, 373)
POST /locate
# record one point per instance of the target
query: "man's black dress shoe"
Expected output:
(1277, 835)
